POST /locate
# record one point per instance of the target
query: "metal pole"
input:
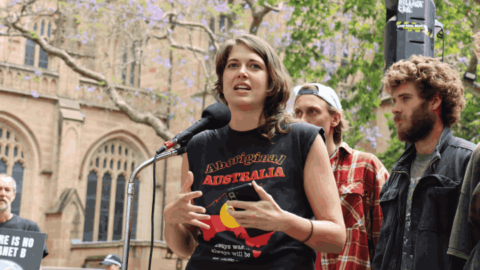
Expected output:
(164, 190)
(131, 191)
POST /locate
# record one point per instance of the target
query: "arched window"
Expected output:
(109, 170)
(12, 161)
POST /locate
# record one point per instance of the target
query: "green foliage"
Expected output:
(469, 125)
(395, 147)
(360, 24)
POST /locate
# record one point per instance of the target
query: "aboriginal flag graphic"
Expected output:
(221, 222)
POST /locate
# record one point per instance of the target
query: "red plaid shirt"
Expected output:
(359, 176)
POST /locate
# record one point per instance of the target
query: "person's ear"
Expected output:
(336, 119)
(435, 102)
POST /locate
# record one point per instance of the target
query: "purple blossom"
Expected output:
(374, 145)
(313, 63)
(158, 60)
(184, 104)
(26, 77)
(463, 60)
(360, 128)
(326, 49)
(182, 62)
(140, 9)
(194, 73)
(327, 78)
(91, 89)
(99, 97)
(38, 73)
(155, 11)
(191, 120)
(206, 57)
(287, 39)
(78, 88)
(136, 93)
(246, 7)
(211, 48)
(166, 63)
(204, 22)
(369, 88)
(34, 94)
(221, 7)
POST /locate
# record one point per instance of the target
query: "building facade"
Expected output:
(72, 152)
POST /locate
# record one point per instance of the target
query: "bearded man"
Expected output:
(420, 197)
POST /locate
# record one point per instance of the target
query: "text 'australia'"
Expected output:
(245, 160)
(243, 176)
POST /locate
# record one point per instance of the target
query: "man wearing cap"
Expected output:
(112, 262)
(359, 176)
(8, 220)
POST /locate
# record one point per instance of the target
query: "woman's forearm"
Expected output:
(326, 237)
(180, 240)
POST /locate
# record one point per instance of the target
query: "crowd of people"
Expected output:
(324, 205)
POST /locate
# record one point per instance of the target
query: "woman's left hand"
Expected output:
(265, 214)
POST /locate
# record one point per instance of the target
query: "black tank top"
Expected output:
(223, 158)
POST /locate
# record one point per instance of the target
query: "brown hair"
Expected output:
(342, 125)
(476, 42)
(430, 77)
(279, 82)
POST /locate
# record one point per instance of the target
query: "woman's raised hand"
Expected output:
(182, 211)
(265, 214)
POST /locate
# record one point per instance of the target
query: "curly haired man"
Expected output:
(420, 197)
(465, 238)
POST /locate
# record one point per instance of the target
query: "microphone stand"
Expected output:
(131, 191)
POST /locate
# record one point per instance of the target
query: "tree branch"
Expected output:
(259, 12)
(199, 25)
(184, 47)
(136, 116)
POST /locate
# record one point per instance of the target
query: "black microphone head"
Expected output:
(218, 114)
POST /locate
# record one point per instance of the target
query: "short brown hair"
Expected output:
(342, 125)
(279, 82)
(476, 42)
(430, 77)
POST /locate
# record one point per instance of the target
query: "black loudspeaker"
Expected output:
(410, 29)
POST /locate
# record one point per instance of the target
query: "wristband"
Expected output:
(311, 232)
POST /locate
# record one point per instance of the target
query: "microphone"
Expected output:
(213, 117)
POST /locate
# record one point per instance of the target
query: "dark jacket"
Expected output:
(434, 203)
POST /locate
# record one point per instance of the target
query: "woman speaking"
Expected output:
(286, 161)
